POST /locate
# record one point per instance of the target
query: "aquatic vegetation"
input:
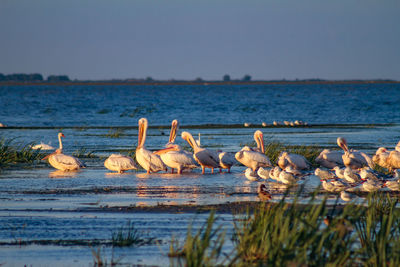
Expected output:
(294, 234)
(274, 148)
(201, 249)
(116, 133)
(126, 236)
(11, 154)
(83, 153)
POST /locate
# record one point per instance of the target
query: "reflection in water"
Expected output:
(116, 174)
(63, 174)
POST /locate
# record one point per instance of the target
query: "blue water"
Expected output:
(123, 105)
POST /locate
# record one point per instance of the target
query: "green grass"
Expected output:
(204, 248)
(12, 154)
(294, 234)
(127, 236)
(83, 153)
(274, 148)
(115, 133)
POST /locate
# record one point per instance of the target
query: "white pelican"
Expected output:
(251, 158)
(354, 159)
(148, 160)
(330, 159)
(42, 146)
(296, 161)
(381, 156)
(176, 158)
(119, 163)
(226, 160)
(63, 162)
(393, 160)
(204, 157)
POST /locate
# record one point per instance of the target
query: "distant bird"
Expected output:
(346, 196)
(173, 156)
(251, 158)
(149, 161)
(119, 163)
(264, 124)
(263, 173)
(226, 160)
(339, 172)
(381, 157)
(294, 160)
(275, 123)
(354, 159)
(330, 159)
(263, 193)
(204, 157)
(393, 185)
(251, 175)
(287, 178)
(371, 185)
(324, 174)
(2, 125)
(286, 123)
(350, 176)
(43, 146)
(63, 162)
(247, 124)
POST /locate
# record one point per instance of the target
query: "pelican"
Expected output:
(251, 158)
(226, 160)
(381, 156)
(330, 159)
(176, 158)
(119, 163)
(42, 146)
(150, 161)
(296, 161)
(63, 162)
(354, 159)
(204, 157)
(263, 193)
(393, 160)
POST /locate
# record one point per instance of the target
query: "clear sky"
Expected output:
(165, 39)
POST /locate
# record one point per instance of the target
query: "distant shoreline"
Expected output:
(155, 83)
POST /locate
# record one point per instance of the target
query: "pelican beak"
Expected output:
(165, 150)
(47, 156)
(140, 134)
(261, 140)
(172, 134)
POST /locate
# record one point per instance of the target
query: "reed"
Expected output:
(84, 153)
(11, 154)
(126, 236)
(201, 249)
(293, 234)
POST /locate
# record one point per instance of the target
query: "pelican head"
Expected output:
(142, 132)
(259, 138)
(342, 143)
(174, 129)
(189, 138)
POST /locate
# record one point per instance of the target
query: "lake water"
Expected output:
(39, 203)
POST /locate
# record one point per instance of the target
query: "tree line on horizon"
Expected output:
(34, 77)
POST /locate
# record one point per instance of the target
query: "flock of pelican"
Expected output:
(291, 168)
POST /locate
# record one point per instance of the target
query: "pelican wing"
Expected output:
(65, 162)
(394, 159)
(226, 158)
(258, 157)
(206, 158)
(120, 162)
(298, 161)
(174, 158)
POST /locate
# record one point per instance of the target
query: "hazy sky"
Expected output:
(164, 39)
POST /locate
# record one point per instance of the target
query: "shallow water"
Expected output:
(39, 203)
